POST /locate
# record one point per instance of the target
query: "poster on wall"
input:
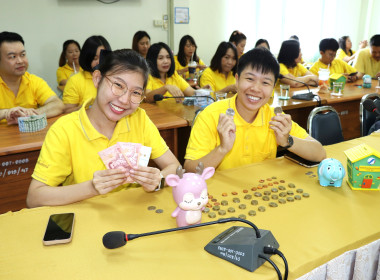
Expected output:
(181, 15)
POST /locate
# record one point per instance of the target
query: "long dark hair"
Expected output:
(216, 61)
(89, 51)
(181, 50)
(342, 44)
(236, 37)
(62, 58)
(152, 56)
(289, 51)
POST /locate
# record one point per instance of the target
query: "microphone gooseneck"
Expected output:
(159, 97)
(116, 239)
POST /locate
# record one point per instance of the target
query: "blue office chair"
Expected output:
(324, 125)
(367, 119)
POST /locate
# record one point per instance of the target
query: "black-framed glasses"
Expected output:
(136, 95)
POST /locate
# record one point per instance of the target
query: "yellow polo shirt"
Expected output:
(366, 64)
(69, 154)
(64, 72)
(32, 93)
(337, 67)
(254, 142)
(178, 65)
(175, 80)
(79, 88)
(340, 54)
(216, 80)
(297, 71)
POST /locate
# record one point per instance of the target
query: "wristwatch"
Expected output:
(290, 142)
(161, 183)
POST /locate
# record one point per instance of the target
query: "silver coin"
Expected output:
(277, 110)
(230, 112)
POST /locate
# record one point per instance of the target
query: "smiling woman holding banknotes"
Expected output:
(69, 168)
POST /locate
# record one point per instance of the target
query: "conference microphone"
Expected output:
(159, 97)
(248, 243)
(370, 106)
(302, 96)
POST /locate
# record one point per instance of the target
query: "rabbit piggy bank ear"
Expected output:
(172, 180)
(208, 172)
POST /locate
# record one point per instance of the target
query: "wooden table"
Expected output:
(19, 153)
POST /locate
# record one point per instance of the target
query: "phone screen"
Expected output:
(300, 160)
(59, 229)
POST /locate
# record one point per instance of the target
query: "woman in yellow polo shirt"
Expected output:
(345, 51)
(141, 43)
(80, 87)
(68, 61)
(289, 58)
(239, 40)
(69, 168)
(163, 78)
(187, 51)
(220, 76)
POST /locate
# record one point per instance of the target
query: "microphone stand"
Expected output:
(303, 96)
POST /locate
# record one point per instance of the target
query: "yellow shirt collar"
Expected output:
(239, 121)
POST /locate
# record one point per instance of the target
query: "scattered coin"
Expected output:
(231, 210)
(273, 204)
(206, 210)
(281, 188)
(306, 195)
(236, 200)
(274, 190)
(222, 212)
(282, 194)
(266, 198)
(151, 207)
(290, 199)
(216, 208)
(274, 196)
(242, 216)
(245, 191)
(252, 213)
(282, 201)
(242, 206)
(291, 185)
(247, 196)
(297, 197)
(262, 208)
(254, 202)
(224, 202)
(159, 211)
(267, 192)
(212, 214)
(290, 192)
(300, 190)
(257, 194)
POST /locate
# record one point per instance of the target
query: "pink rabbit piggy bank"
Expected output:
(190, 194)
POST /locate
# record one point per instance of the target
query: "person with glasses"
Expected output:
(80, 86)
(187, 52)
(328, 48)
(69, 168)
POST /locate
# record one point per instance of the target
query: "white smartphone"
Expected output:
(59, 229)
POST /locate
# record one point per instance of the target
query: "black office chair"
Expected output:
(367, 119)
(324, 125)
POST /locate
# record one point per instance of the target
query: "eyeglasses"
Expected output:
(119, 89)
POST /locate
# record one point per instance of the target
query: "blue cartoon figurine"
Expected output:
(331, 172)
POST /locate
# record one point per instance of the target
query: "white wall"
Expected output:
(46, 24)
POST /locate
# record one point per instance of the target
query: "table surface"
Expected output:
(13, 141)
(310, 231)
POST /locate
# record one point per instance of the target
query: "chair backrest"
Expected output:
(367, 119)
(324, 125)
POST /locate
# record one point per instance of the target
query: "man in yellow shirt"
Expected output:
(22, 94)
(328, 48)
(368, 60)
(223, 141)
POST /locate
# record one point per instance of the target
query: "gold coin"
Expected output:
(242, 206)
(273, 204)
(261, 209)
(291, 185)
(212, 215)
(252, 213)
(290, 199)
(231, 210)
(254, 202)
